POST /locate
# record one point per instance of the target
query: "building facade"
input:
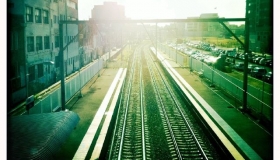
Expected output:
(260, 14)
(33, 33)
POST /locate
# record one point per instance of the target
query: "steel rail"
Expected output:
(117, 118)
(126, 110)
(135, 64)
(165, 113)
(182, 114)
(142, 114)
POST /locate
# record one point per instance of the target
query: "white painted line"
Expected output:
(102, 135)
(88, 138)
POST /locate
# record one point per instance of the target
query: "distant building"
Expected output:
(34, 45)
(203, 29)
(108, 35)
(260, 14)
(108, 11)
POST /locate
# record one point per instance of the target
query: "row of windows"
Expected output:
(40, 15)
(73, 59)
(67, 39)
(70, 61)
(31, 44)
(39, 43)
(40, 71)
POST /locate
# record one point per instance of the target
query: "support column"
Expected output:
(62, 82)
(246, 51)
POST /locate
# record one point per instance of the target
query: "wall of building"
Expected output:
(40, 48)
(260, 14)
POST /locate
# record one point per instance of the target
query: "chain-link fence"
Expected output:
(258, 100)
(52, 101)
(73, 84)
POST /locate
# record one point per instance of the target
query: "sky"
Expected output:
(169, 9)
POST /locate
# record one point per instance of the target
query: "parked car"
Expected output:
(239, 66)
(242, 56)
(269, 62)
(258, 72)
(268, 77)
(257, 59)
(237, 55)
(251, 67)
(210, 60)
(231, 53)
(262, 61)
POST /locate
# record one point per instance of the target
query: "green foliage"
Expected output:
(230, 42)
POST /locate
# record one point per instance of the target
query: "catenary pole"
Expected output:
(62, 82)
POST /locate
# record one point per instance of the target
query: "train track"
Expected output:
(153, 122)
(131, 142)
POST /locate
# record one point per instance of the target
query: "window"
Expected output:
(29, 14)
(40, 70)
(38, 16)
(14, 40)
(56, 41)
(46, 42)
(61, 17)
(31, 73)
(30, 44)
(45, 16)
(39, 45)
(72, 4)
(54, 19)
(57, 63)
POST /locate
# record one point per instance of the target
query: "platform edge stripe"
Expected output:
(88, 138)
(244, 147)
(230, 147)
(100, 141)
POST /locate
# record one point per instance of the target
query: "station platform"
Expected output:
(93, 93)
(87, 107)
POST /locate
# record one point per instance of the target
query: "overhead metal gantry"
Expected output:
(245, 45)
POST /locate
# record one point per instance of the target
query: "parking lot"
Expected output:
(260, 66)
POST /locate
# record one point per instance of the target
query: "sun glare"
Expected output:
(147, 9)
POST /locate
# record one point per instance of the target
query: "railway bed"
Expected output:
(156, 119)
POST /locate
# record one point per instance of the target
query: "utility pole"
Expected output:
(246, 51)
(62, 83)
